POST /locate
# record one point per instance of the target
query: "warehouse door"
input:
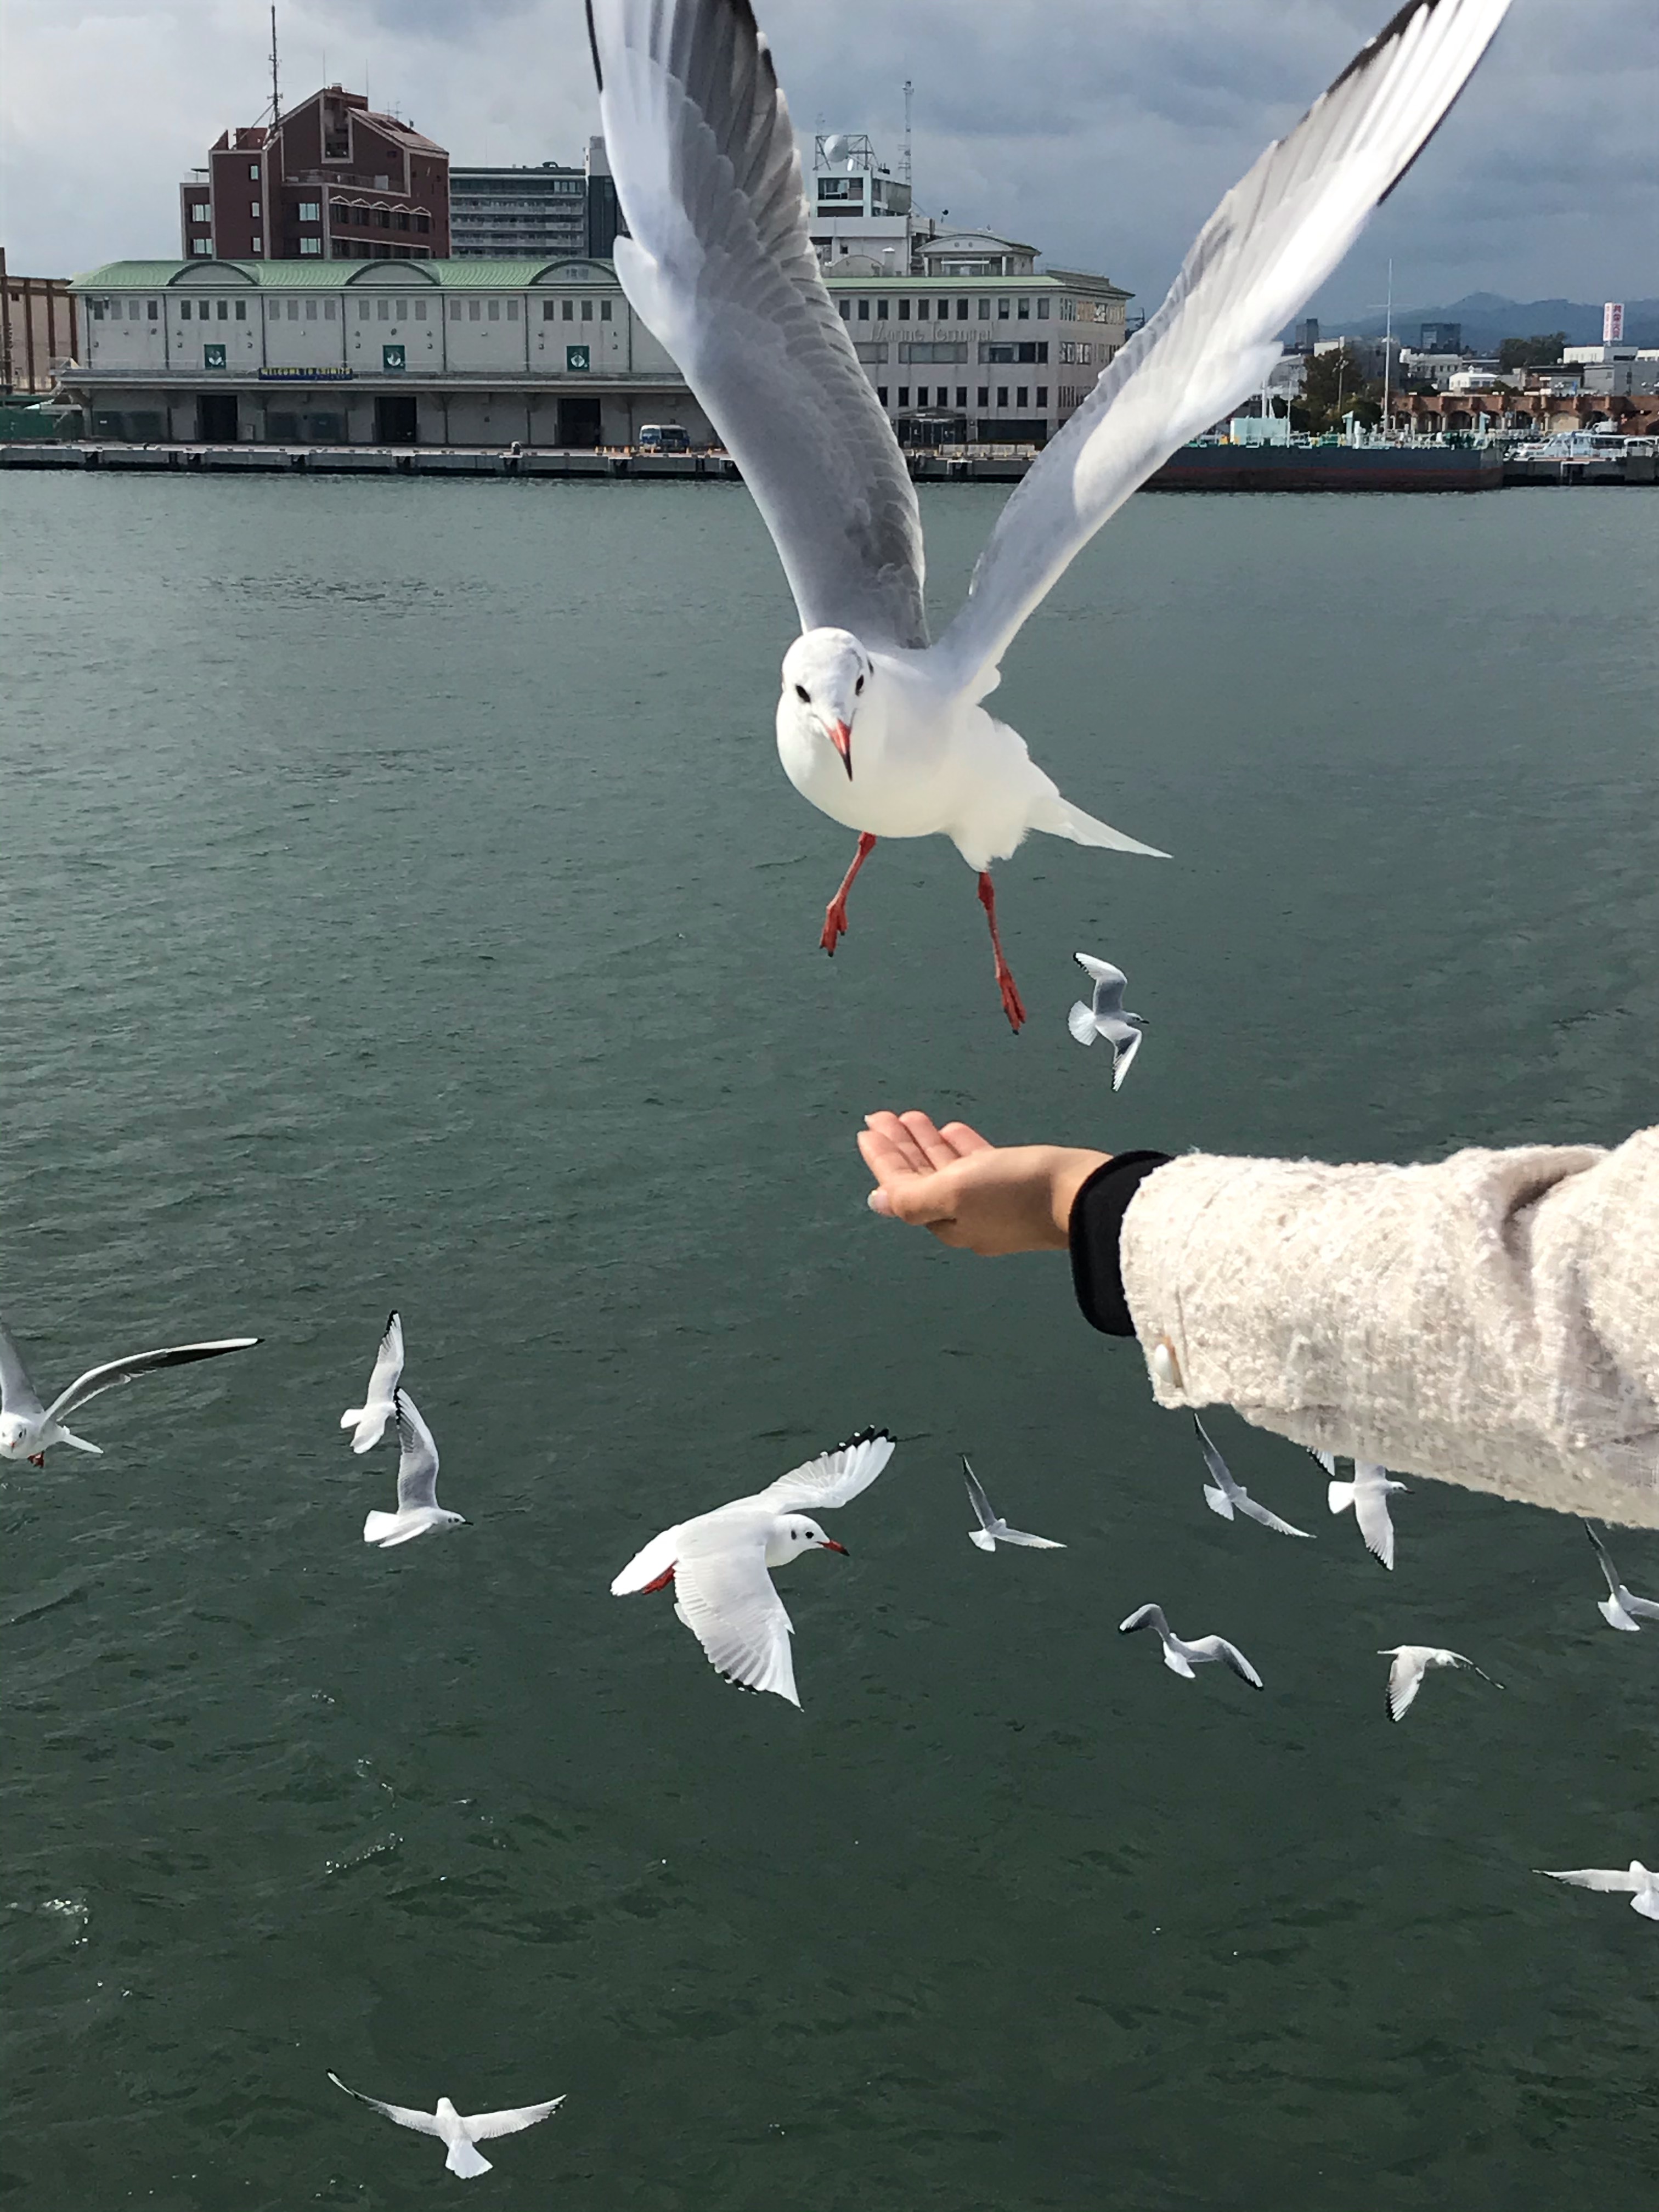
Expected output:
(216, 418)
(579, 423)
(395, 420)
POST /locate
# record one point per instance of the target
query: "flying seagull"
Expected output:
(1411, 1662)
(1619, 1604)
(993, 1530)
(1179, 1656)
(370, 1419)
(1105, 1017)
(419, 1510)
(1223, 1495)
(1368, 1494)
(721, 1564)
(461, 2131)
(881, 730)
(1641, 1882)
(28, 1430)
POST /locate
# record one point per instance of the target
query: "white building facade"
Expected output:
(477, 352)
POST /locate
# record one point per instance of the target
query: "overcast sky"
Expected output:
(1101, 131)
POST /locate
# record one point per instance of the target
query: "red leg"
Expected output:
(835, 915)
(1012, 1005)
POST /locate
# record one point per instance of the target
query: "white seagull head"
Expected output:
(13, 1436)
(826, 674)
(792, 1534)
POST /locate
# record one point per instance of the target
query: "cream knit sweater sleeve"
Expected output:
(1493, 1319)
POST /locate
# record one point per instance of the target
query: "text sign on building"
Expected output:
(575, 357)
(392, 357)
(1613, 323)
(213, 356)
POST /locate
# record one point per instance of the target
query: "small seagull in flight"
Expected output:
(1411, 1662)
(993, 1530)
(1641, 1882)
(721, 1564)
(419, 1510)
(1106, 1017)
(461, 2131)
(1618, 1605)
(28, 1430)
(1368, 1494)
(1225, 1497)
(370, 1419)
(1179, 1656)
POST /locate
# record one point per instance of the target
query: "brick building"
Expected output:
(40, 328)
(330, 179)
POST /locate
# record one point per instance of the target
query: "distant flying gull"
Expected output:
(1104, 1017)
(1642, 1883)
(1179, 1656)
(1411, 1662)
(720, 1563)
(1368, 1494)
(993, 1530)
(880, 730)
(28, 1430)
(419, 1510)
(1223, 1495)
(1620, 1604)
(461, 2131)
(370, 1418)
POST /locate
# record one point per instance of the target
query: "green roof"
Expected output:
(319, 276)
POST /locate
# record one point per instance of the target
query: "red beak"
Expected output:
(830, 1544)
(842, 739)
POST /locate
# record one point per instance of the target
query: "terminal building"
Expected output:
(483, 352)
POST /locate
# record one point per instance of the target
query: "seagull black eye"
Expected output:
(802, 694)
(859, 686)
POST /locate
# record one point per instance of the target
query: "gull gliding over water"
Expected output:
(1104, 1015)
(1179, 1656)
(419, 1510)
(28, 1430)
(370, 1419)
(1226, 1497)
(1620, 1605)
(460, 2131)
(993, 1530)
(1641, 1883)
(721, 1564)
(1411, 1662)
(879, 728)
(1368, 1494)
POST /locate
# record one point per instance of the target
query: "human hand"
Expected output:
(971, 1194)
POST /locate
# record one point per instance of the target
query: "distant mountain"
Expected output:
(1488, 319)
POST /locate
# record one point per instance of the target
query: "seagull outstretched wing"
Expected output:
(727, 1600)
(719, 264)
(423, 2123)
(17, 1394)
(114, 1372)
(481, 2126)
(417, 1461)
(1269, 246)
(833, 1478)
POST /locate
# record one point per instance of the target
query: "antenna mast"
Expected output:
(275, 97)
(908, 88)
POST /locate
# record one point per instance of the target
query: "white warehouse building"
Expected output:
(477, 352)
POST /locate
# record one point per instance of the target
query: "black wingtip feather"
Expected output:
(593, 47)
(866, 1436)
(1392, 31)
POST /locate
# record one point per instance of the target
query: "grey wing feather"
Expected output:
(833, 1478)
(481, 2126)
(114, 1372)
(1255, 1511)
(1124, 1049)
(1213, 1461)
(17, 1393)
(1110, 983)
(979, 1502)
(388, 1368)
(725, 1598)
(1144, 1616)
(1602, 1878)
(720, 266)
(1602, 1552)
(417, 1459)
(1216, 1647)
(1006, 1536)
(1269, 246)
(423, 2123)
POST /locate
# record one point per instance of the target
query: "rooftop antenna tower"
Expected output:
(276, 96)
(908, 88)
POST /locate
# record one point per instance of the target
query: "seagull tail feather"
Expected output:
(466, 2159)
(378, 1527)
(1059, 818)
(1338, 1496)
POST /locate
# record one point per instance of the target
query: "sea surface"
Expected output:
(401, 904)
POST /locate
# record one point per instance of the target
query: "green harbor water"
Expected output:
(401, 902)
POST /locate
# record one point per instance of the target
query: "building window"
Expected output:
(253, 171)
(985, 395)
(454, 311)
(311, 210)
(183, 310)
(201, 245)
(132, 311)
(423, 223)
(310, 246)
(201, 211)
(403, 218)
(401, 311)
(984, 313)
(512, 311)
(882, 307)
(605, 311)
(328, 311)
(224, 310)
(494, 311)
(420, 310)
(254, 210)
(1024, 309)
(881, 393)
(588, 311)
(864, 311)
(1068, 311)
(904, 311)
(1023, 398)
(904, 395)
(383, 310)
(474, 311)
(1042, 309)
(845, 310)
(549, 309)
(1002, 308)
(1002, 395)
(258, 245)
(154, 307)
(962, 395)
(311, 311)
(383, 216)
(961, 311)
(1042, 395)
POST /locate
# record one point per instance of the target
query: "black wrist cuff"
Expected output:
(1096, 1224)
